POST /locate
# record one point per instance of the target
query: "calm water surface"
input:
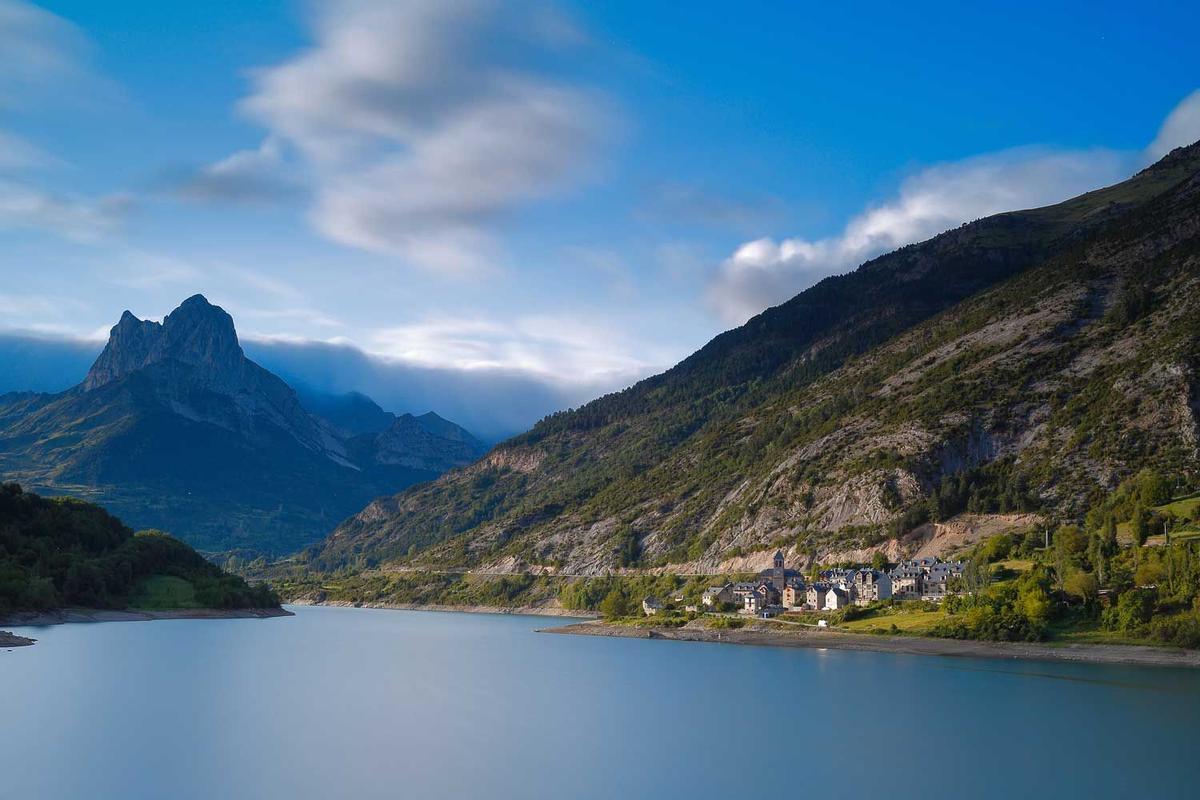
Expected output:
(357, 703)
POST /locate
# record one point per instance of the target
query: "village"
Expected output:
(779, 589)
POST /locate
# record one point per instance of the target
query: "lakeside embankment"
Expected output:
(67, 615)
(764, 636)
(529, 611)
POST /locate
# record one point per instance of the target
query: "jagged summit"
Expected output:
(175, 428)
(196, 333)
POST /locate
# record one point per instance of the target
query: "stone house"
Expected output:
(906, 580)
(936, 583)
(924, 578)
(871, 585)
(795, 595)
(717, 595)
(814, 596)
(740, 590)
(836, 598)
(651, 606)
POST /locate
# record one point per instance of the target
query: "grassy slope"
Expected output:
(164, 592)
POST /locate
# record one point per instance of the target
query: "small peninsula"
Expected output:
(65, 560)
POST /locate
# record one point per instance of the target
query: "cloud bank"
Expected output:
(487, 392)
(765, 272)
(491, 402)
(418, 124)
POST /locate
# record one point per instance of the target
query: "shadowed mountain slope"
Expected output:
(175, 428)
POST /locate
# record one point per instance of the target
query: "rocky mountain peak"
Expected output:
(197, 333)
(202, 334)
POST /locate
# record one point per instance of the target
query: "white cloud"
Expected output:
(39, 49)
(765, 272)
(253, 177)
(73, 217)
(301, 314)
(1181, 127)
(559, 349)
(422, 122)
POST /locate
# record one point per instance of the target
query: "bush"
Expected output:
(1181, 631)
(615, 604)
(1131, 612)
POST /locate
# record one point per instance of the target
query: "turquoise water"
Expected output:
(356, 703)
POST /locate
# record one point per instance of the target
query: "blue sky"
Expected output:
(561, 196)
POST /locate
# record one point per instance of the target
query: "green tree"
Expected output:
(1152, 488)
(1082, 585)
(997, 547)
(615, 604)
(879, 560)
(1149, 573)
(1133, 610)
(1140, 524)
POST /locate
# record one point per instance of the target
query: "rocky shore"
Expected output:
(761, 635)
(12, 640)
(530, 611)
(66, 615)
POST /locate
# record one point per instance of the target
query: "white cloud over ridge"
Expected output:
(420, 123)
(559, 349)
(765, 272)
(1181, 127)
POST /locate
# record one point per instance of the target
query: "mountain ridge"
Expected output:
(655, 474)
(174, 427)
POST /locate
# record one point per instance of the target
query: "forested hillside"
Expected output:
(61, 552)
(1030, 360)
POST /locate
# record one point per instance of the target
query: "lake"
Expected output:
(358, 703)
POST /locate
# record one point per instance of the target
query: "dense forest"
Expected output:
(61, 552)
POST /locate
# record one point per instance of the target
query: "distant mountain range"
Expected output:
(1026, 361)
(175, 428)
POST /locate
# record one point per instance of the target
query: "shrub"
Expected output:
(1131, 612)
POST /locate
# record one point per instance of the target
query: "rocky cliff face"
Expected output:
(427, 442)
(175, 428)
(197, 333)
(1024, 361)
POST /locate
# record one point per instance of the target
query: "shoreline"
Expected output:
(1137, 655)
(37, 619)
(522, 611)
(10, 640)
